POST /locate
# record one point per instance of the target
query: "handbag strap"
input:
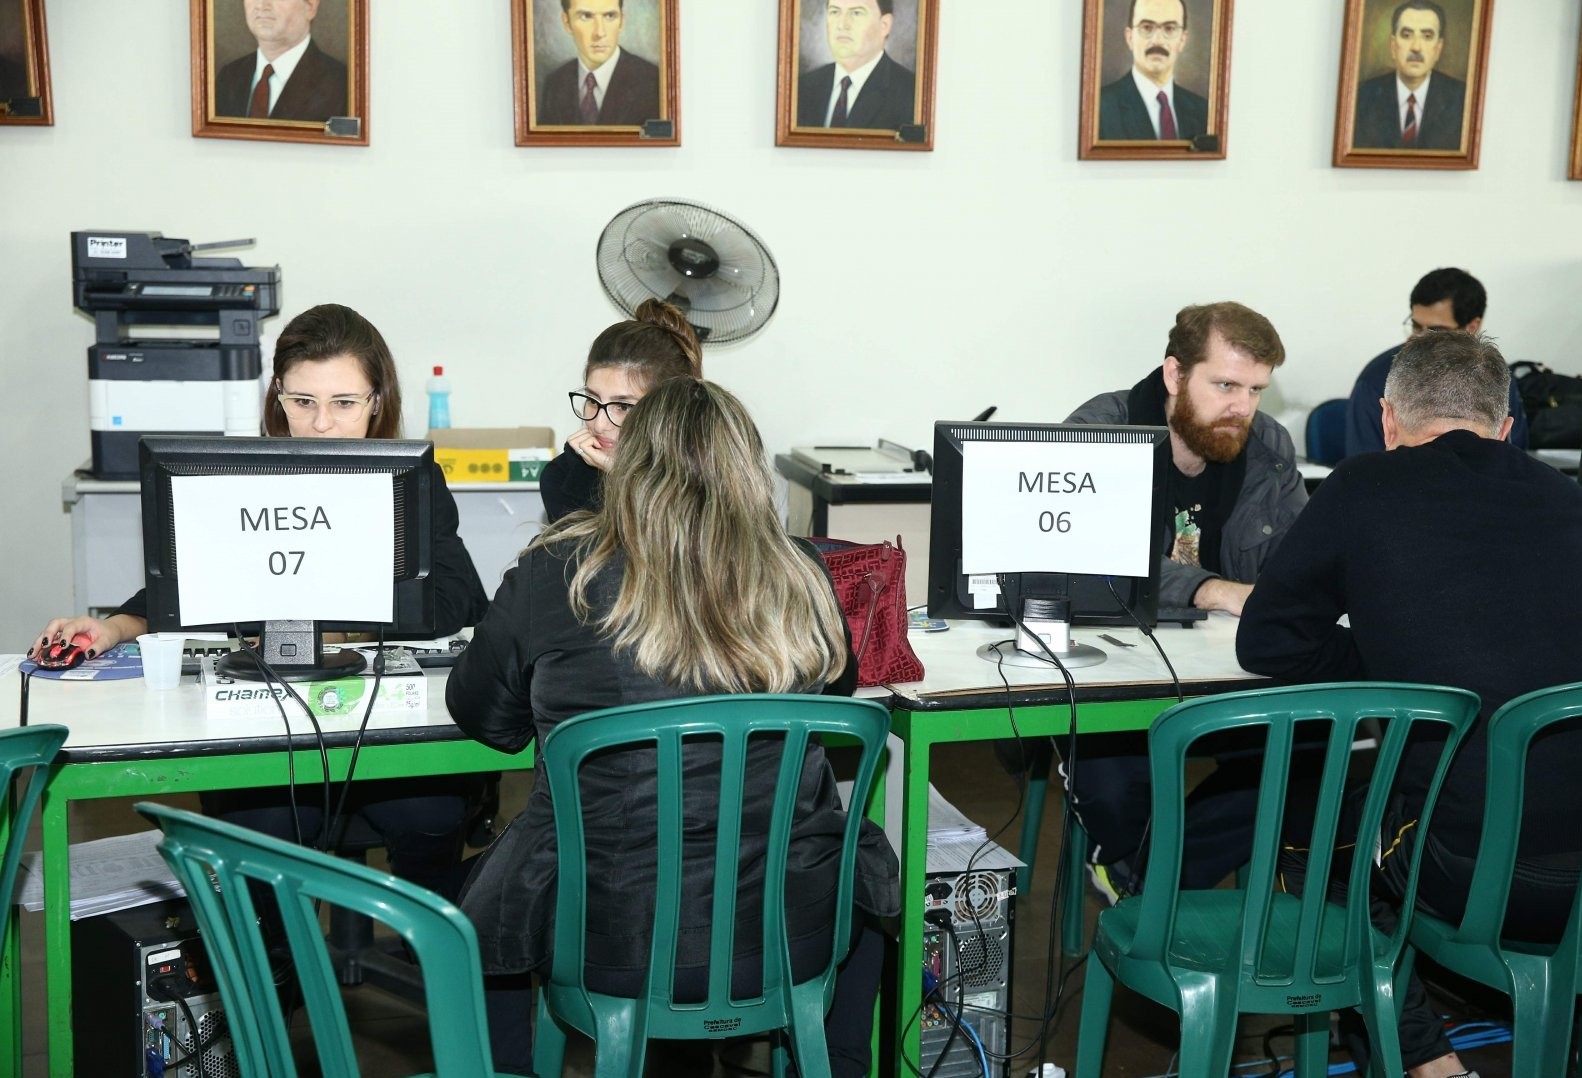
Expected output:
(875, 586)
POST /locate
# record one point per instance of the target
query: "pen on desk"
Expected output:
(1116, 642)
(983, 416)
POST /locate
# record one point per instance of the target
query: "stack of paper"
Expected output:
(107, 874)
(954, 840)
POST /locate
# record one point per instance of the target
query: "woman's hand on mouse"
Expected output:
(585, 444)
(103, 635)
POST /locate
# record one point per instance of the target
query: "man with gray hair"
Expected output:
(1458, 561)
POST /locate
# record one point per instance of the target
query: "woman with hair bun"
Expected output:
(624, 363)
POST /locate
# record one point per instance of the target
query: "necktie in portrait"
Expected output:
(838, 118)
(1167, 119)
(590, 103)
(1409, 129)
(258, 108)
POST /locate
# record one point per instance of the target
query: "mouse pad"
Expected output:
(119, 663)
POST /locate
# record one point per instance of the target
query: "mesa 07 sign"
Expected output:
(284, 547)
(1056, 507)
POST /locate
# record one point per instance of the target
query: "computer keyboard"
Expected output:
(1184, 616)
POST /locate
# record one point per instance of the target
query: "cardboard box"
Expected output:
(493, 454)
(402, 689)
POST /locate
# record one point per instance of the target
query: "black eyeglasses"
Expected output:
(586, 408)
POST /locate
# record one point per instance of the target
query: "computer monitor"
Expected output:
(1044, 519)
(293, 535)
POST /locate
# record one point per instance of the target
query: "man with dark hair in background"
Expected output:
(1146, 102)
(288, 77)
(1417, 548)
(604, 85)
(1412, 107)
(1446, 298)
(872, 91)
(1233, 490)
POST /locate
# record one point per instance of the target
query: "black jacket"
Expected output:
(315, 91)
(531, 665)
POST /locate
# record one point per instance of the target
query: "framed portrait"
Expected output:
(1411, 83)
(857, 74)
(596, 72)
(1155, 79)
(1575, 171)
(24, 64)
(281, 71)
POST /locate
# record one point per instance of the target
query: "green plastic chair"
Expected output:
(217, 861)
(1212, 955)
(29, 750)
(621, 1027)
(1542, 981)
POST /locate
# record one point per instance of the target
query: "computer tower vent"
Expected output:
(976, 895)
(219, 1058)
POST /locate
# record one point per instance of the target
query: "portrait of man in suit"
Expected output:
(604, 85)
(1147, 102)
(288, 76)
(1413, 106)
(863, 88)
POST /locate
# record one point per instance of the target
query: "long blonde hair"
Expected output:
(714, 596)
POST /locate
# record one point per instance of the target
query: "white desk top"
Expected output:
(1204, 653)
(78, 483)
(125, 719)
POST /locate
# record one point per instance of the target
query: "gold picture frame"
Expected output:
(557, 45)
(322, 99)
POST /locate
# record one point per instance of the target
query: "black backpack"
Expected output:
(1553, 403)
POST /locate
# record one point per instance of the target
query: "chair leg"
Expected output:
(1208, 1030)
(1032, 819)
(619, 1045)
(807, 1031)
(1381, 1016)
(1312, 1044)
(1543, 1020)
(549, 1041)
(1098, 988)
(1074, 898)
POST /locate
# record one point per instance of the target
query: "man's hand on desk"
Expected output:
(1218, 594)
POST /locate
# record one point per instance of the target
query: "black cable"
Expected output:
(335, 825)
(1149, 633)
(27, 677)
(269, 673)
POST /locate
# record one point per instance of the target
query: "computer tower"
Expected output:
(970, 963)
(131, 971)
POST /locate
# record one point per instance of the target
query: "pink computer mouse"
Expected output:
(63, 655)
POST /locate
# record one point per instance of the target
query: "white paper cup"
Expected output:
(161, 658)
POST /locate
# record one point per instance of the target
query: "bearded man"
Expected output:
(1234, 492)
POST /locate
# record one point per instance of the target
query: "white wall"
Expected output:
(996, 270)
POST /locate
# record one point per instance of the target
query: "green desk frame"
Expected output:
(982, 716)
(148, 776)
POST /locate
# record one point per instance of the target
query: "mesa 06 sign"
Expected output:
(1056, 507)
(284, 547)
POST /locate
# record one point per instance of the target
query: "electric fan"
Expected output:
(711, 266)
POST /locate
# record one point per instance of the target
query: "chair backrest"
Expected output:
(1326, 432)
(216, 862)
(728, 723)
(1511, 732)
(1279, 967)
(28, 750)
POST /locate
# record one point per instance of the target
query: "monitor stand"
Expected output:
(1044, 617)
(294, 650)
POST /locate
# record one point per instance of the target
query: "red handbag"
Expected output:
(870, 585)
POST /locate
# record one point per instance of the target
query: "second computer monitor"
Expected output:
(1041, 502)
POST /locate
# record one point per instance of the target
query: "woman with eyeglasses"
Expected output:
(624, 363)
(334, 378)
(683, 583)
